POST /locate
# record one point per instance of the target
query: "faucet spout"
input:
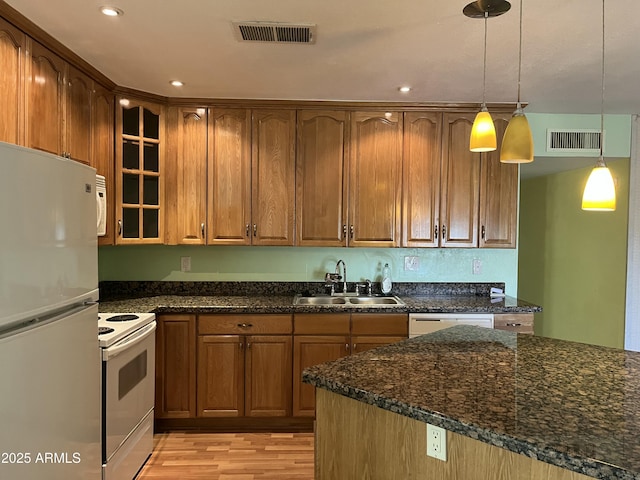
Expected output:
(344, 275)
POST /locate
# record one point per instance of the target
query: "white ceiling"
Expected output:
(364, 50)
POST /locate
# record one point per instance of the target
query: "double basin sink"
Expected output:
(348, 301)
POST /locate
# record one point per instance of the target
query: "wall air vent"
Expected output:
(576, 140)
(274, 32)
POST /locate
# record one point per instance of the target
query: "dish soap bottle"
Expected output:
(385, 286)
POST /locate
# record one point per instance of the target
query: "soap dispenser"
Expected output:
(385, 286)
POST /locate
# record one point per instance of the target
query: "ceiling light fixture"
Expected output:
(404, 89)
(600, 192)
(111, 11)
(517, 142)
(177, 83)
(483, 132)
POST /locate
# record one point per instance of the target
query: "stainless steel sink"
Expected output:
(348, 301)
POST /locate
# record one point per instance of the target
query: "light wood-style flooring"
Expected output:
(230, 456)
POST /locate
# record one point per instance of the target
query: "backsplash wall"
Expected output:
(297, 264)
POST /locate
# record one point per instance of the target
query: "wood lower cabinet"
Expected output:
(175, 366)
(514, 322)
(320, 338)
(240, 374)
(13, 62)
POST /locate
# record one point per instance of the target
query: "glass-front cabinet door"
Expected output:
(140, 160)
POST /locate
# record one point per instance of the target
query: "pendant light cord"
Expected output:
(520, 56)
(602, 97)
(484, 70)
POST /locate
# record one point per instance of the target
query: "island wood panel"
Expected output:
(362, 343)
(421, 179)
(514, 322)
(187, 176)
(103, 119)
(229, 177)
(273, 143)
(353, 437)
(13, 64)
(375, 178)
(460, 183)
(175, 366)
(220, 387)
(321, 185)
(498, 196)
(78, 120)
(309, 350)
(46, 97)
(268, 379)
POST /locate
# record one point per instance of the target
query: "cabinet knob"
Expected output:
(344, 229)
(351, 231)
(245, 325)
(435, 232)
(483, 232)
(444, 232)
(246, 231)
(255, 230)
(346, 346)
(119, 227)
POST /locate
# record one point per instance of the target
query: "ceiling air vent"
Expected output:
(274, 32)
(577, 140)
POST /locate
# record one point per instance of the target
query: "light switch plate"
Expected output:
(185, 264)
(412, 263)
(436, 442)
(477, 266)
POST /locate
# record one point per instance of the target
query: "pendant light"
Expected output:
(517, 142)
(483, 132)
(600, 192)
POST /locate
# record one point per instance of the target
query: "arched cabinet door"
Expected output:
(13, 61)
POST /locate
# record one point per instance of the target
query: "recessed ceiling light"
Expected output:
(111, 11)
(404, 89)
(124, 102)
(176, 83)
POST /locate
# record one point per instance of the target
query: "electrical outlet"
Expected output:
(476, 268)
(412, 263)
(185, 264)
(436, 442)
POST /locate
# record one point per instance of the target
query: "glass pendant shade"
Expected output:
(517, 143)
(599, 192)
(483, 133)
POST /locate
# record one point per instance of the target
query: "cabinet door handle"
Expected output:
(241, 345)
(119, 227)
(351, 231)
(355, 345)
(202, 229)
(245, 325)
(483, 232)
(435, 232)
(514, 324)
(444, 233)
(246, 230)
(248, 345)
(344, 229)
(255, 230)
(346, 346)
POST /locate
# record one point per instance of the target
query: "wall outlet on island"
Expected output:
(436, 442)
(185, 264)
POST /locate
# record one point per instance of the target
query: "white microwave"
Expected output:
(101, 200)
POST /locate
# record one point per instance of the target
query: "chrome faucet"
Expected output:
(344, 275)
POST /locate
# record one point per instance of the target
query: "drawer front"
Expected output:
(396, 324)
(514, 322)
(244, 324)
(321, 324)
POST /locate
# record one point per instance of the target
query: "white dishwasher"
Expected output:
(422, 323)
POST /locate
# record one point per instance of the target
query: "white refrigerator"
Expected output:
(49, 356)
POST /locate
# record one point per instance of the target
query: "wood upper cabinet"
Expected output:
(273, 177)
(175, 366)
(186, 181)
(498, 196)
(321, 186)
(460, 183)
(46, 100)
(375, 176)
(77, 126)
(421, 179)
(229, 177)
(13, 63)
(102, 158)
(140, 144)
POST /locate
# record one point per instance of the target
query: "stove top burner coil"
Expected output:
(104, 330)
(122, 318)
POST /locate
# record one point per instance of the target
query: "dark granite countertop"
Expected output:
(284, 304)
(573, 405)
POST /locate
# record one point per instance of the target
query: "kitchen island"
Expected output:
(514, 407)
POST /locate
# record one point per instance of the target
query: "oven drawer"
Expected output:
(244, 324)
(132, 454)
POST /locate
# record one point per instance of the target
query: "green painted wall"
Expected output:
(572, 262)
(217, 263)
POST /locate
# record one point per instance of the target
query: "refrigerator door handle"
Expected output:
(136, 337)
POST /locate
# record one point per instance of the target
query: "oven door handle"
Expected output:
(129, 341)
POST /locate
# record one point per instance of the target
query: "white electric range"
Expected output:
(127, 343)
